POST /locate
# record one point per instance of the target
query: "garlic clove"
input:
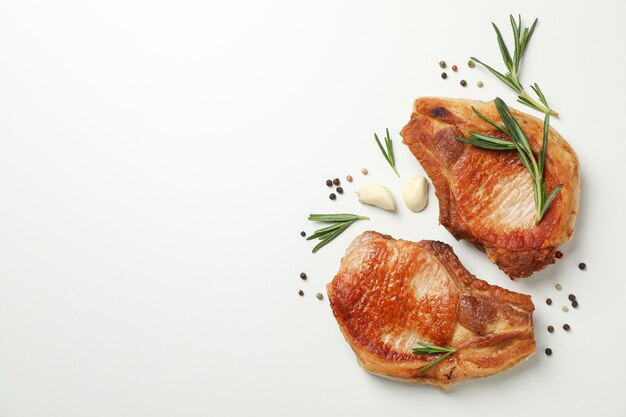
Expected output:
(377, 195)
(415, 193)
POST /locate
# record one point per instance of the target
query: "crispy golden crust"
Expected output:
(389, 294)
(486, 196)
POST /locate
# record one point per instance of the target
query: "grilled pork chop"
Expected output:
(390, 294)
(486, 196)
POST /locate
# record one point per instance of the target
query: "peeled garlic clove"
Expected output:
(377, 195)
(415, 193)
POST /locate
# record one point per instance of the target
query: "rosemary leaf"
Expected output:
(520, 143)
(339, 223)
(388, 153)
(332, 218)
(429, 349)
(521, 37)
(326, 239)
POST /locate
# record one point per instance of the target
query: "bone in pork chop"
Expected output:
(486, 196)
(390, 294)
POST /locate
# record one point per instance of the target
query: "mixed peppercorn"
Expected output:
(570, 297)
(470, 64)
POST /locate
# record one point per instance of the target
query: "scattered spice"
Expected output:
(302, 275)
(301, 293)
(442, 64)
(336, 181)
(558, 254)
(548, 351)
(566, 327)
(480, 84)
(558, 287)
(550, 329)
(564, 308)
(455, 68)
(332, 196)
(303, 233)
(329, 183)
(582, 266)
(340, 190)
(571, 297)
(319, 296)
(349, 178)
(575, 303)
(471, 64)
(463, 83)
(549, 301)
(444, 75)
(364, 171)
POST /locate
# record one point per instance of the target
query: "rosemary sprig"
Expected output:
(521, 37)
(520, 143)
(388, 153)
(340, 222)
(428, 349)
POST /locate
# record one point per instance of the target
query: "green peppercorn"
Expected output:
(442, 64)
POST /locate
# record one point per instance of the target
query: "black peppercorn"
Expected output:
(548, 351)
(566, 327)
(302, 275)
(571, 297)
(303, 233)
(444, 75)
(329, 183)
(336, 181)
(340, 190)
(548, 301)
(463, 83)
(301, 293)
(574, 303)
(550, 329)
(332, 196)
(582, 266)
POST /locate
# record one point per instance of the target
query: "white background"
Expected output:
(159, 158)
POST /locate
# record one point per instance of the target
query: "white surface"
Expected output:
(158, 159)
